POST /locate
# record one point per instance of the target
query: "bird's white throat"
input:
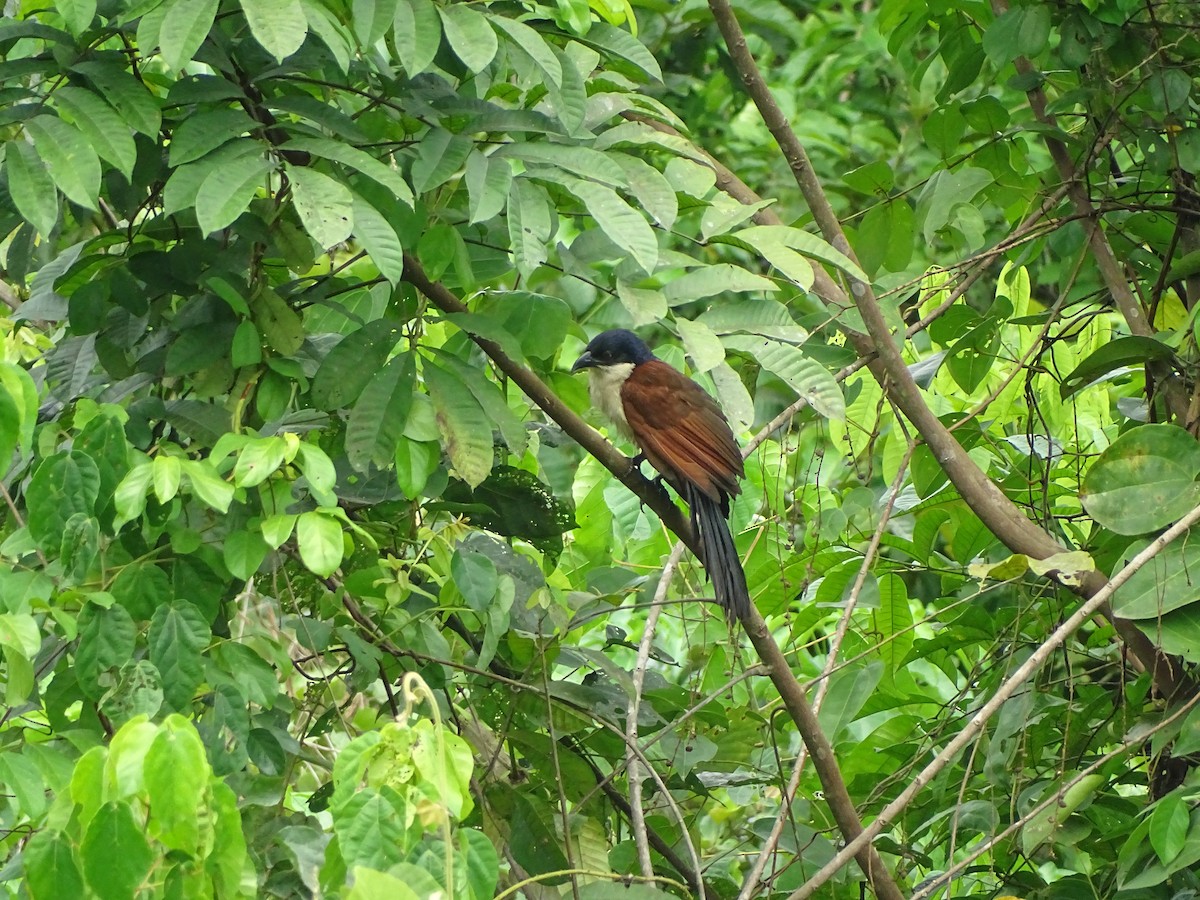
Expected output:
(604, 387)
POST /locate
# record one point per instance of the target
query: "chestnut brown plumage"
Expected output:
(681, 431)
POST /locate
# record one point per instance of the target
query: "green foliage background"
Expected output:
(300, 595)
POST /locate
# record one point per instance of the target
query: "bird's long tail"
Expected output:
(721, 559)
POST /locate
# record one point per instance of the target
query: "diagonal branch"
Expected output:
(780, 673)
(1001, 516)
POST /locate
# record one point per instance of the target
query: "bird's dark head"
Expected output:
(612, 348)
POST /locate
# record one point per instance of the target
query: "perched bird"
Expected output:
(680, 429)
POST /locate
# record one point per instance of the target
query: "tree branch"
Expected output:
(1001, 516)
(790, 691)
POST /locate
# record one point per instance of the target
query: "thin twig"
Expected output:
(1023, 673)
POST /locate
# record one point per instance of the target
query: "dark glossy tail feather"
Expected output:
(721, 559)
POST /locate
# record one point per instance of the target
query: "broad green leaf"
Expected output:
(371, 19)
(469, 35)
(277, 529)
(716, 279)
(1165, 583)
(806, 377)
(475, 577)
(247, 346)
(372, 885)
(101, 124)
(621, 223)
(279, 26)
(130, 97)
(623, 46)
(372, 829)
(580, 161)
(352, 363)
(378, 417)
(31, 187)
(324, 205)
(141, 587)
(1131, 350)
(529, 224)
(415, 462)
(64, 484)
(205, 131)
(185, 25)
(78, 14)
(895, 621)
(488, 180)
(319, 540)
(358, 160)
(482, 863)
(184, 184)
(325, 25)
(418, 31)
(702, 345)
(106, 641)
(176, 774)
(243, 554)
(439, 156)
(532, 44)
(227, 191)
(130, 496)
(278, 322)
(116, 856)
(50, 867)
(651, 188)
(167, 473)
(379, 239)
(69, 157)
(259, 460)
(1020, 31)
(178, 633)
(1169, 826)
(10, 427)
(1145, 480)
(465, 429)
(445, 761)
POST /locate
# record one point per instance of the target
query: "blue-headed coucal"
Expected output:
(682, 432)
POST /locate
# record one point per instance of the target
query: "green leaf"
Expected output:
(806, 377)
(701, 344)
(10, 427)
(445, 761)
(69, 157)
(259, 460)
(379, 239)
(359, 161)
(475, 577)
(325, 25)
(1124, 352)
(176, 774)
(141, 587)
(101, 125)
(372, 885)
(532, 44)
(371, 829)
(106, 641)
(1169, 826)
(377, 420)
(488, 180)
(279, 26)
(277, 529)
(1164, 584)
(63, 485)
(352, 363)
(167, 473)
(205, 131)
(178, 633)
(466, 431)
(247, 346)
(116, 856)
(620, 222)
(1144, 481)
(31, 187)
(78, 14)
(624, 46)
(371, 19)
(469, 35)
(716, 279)
(185, 25)
(1020, 31)
(226, 192)
(50, 869)
(319, 539)
(895, 621)
(324, 205)
(279, 324)
(415, 462)
(243, 554)
(439, 156)
(131, 98)
(418, 32)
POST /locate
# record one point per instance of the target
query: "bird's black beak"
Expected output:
(585, 361)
